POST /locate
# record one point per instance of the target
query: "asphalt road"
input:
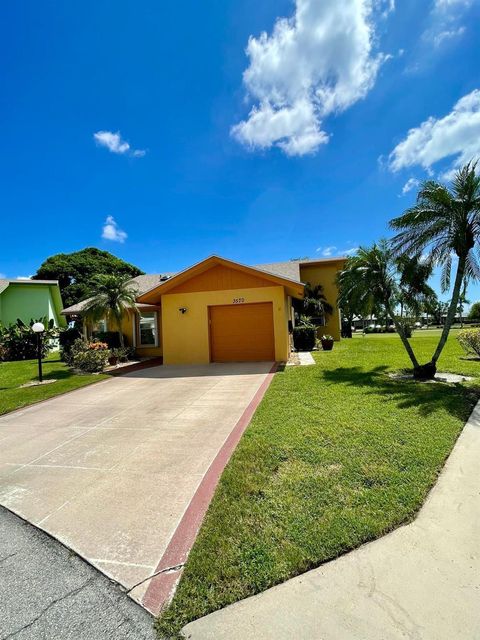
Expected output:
(48, 593)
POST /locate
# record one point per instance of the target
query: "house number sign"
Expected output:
(238, 300)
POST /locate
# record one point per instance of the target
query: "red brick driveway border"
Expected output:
(169, 570)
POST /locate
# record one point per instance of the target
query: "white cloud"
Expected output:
(318, 62)
(455, 135)
(111, 231)
(444, 21)
(445, 5)
(448, 34)
(410, 184)
(24, 277)
(115, 144)
(328, 251)
(332, 251)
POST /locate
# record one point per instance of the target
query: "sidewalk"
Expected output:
(420, 582)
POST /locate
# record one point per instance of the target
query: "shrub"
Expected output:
(79, 346)
(66, 339)
(304, 338)
(470, 340)
(124, 354)
(19, 342)
(90, 357)
(91, 361)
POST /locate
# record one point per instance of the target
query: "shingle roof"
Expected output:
(144, 283)
(290, 269)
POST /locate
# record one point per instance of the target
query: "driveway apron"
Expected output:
(110, 469)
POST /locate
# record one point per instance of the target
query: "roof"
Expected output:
(289, 271)
(144, 283)
(6, 282)
(293, 286)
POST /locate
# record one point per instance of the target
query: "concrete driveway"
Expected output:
(110, 469)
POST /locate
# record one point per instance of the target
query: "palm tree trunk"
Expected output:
(403, 337)
(451, 309)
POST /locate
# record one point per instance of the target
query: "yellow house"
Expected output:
(222, 311)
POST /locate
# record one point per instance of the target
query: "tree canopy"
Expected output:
(76, 271)
(474, 313)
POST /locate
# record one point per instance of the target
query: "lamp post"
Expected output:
(39, 328)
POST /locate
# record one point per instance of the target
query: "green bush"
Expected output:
(470, 340)
(79, 346)
(304, 338)
(19, 342)
(91, 360)
(66, 339)
(124, 354)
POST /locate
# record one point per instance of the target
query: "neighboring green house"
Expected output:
(30, 300)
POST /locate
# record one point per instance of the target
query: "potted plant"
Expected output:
(112, 359)
(327, 342)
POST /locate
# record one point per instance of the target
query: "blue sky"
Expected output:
(214, 139)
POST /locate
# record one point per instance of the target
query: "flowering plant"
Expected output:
(98, 346)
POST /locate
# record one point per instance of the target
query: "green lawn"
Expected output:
(14, 374)
(337, 454)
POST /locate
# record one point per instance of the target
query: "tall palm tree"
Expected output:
(113, 298)
(415, 291)
(372, 277)
(445, 224)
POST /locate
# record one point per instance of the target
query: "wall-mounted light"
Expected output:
(183, 310)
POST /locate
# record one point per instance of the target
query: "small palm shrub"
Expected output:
(469, 339)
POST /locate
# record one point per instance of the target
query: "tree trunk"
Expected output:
(451, 309)
(403, 338)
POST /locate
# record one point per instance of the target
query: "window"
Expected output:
(148, 329)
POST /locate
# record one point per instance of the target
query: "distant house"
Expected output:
(30, 299)
(221, 311)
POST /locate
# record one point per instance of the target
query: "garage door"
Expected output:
(242, 333)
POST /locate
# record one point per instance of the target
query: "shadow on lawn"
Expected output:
(457, 399)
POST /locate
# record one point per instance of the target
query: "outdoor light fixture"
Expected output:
(39, 328)
(183, 310)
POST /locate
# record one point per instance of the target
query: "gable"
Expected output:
(220, 277)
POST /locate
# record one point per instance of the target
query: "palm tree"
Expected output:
(113, 298)
(353, 299)
(415, 291)
(372, 277)
(445, 224)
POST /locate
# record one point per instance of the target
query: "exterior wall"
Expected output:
(28, 302)
(326, 276)
(221, 278)
(186, 336)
